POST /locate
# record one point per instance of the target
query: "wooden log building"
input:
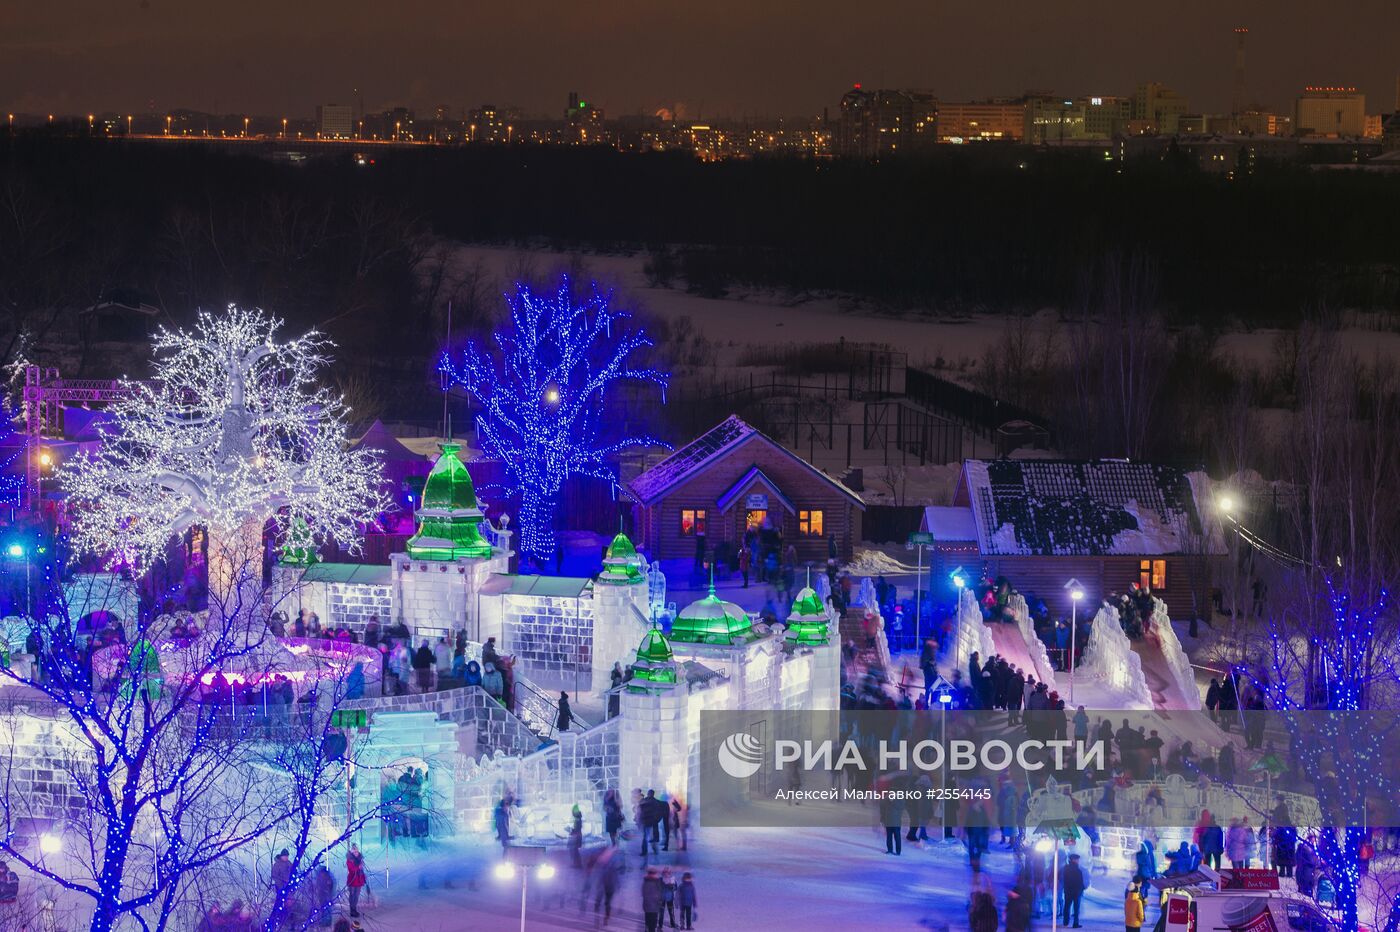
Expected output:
(1107, 523)
(733, 478)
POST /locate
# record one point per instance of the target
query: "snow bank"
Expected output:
(1175, 654)
(970, 634)
(1035, 647)
(876, 563)
(1109, 657)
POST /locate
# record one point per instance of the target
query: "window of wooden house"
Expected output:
(1152, 574)
(692, 521)
(811, 523)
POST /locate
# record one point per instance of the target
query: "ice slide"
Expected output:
(1170, 677)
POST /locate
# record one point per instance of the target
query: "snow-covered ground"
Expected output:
(755, 318)
(746, 879)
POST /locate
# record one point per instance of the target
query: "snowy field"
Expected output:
(764, 318)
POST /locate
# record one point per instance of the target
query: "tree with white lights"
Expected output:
(153, 777)
(541, 390)
(233, 431)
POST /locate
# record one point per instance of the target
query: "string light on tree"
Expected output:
(541, 390)
(232, 431)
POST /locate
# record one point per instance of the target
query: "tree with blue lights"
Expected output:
(541, 390)
(1331, 634)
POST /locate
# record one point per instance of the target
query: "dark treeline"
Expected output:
(358, 249)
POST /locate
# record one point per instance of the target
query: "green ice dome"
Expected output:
(621, 566)
(656, 664)
(449, 517)
(807, 622)
(621, 546)
(712, 621)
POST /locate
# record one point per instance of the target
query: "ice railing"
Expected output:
(1175, 654)
(1109, 657)
(545, 785)
(970, 634)
(1035, 647)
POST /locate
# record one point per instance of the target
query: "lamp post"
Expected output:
(1076, 592)
(1044, 846)
(17, 552)
(524, 857)
(944, 690)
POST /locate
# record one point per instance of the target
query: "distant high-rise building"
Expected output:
(1330, 112)
(876, 123)
(489, 124)
(1106, 117)
(982, 121)
(1051, 120)
(584, 121)
(335, 121)
(1241, 33)
(1158, 109)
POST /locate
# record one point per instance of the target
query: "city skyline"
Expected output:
(782, 60)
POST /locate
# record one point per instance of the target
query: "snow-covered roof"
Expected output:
(730, 434)
(1096, 508)
(378, 437)
(949, 523)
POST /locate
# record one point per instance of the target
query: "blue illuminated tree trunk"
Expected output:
(541, 392)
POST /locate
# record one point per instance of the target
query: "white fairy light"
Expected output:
(232, 431)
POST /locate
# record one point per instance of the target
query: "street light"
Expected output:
(944, 690)
(1076, 592)
(1226, 503)
(526, 857)
(50, 844)
(1046, 846)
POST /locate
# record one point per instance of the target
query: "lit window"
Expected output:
(810, 524)
(1152, 574)
(692, 521)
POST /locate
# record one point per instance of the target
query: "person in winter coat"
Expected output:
(282, 873)
(1146, 859)
(982, 912)
(1018, 909)
(1285, 841)
(612, 815)
(354, 878)
(501, 820)
(653, 899)
(323, 892)
(1072, 883)
(423, 663)
(442, 658)
(1134, 906)
(1305, 869)
(473, 675)
(1240, 843)
(1006, 813)
(566, 714)
(1211, 839)
(576, 835)
(685, 895)
(493, 682)
(892, 817)
(668, 896)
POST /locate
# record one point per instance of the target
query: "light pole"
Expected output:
(945, 698)
(1044, 846)
(16, 551)
(525, 857)
(1076, 592)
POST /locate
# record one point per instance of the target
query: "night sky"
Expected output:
(732, 57)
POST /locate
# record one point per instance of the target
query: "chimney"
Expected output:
(1241, 33)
